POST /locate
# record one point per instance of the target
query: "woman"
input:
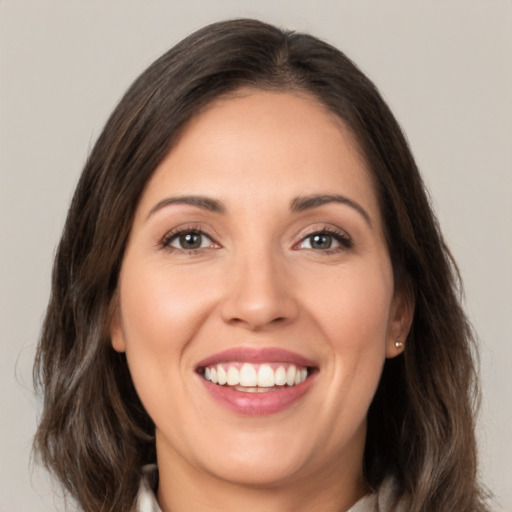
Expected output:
(252, 291)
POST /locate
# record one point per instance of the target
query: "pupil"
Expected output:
(190, 241)
(321, 242)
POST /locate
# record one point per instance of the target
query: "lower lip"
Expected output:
(258, 404)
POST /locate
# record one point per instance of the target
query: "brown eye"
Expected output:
(189, 241)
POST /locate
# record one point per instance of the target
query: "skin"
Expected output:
(257, 282)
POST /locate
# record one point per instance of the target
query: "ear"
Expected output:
(400, 321)
(116, 326)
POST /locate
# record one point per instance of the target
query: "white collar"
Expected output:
(146, 499)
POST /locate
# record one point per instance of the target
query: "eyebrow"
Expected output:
(302, 203)
(205, 203)
(299, 204)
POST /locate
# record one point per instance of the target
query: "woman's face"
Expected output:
(256, 301)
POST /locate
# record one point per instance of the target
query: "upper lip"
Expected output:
(256, 355)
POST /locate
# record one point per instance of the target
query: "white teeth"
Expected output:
(248, 375)
(221, 375)
(247, 389)
(290, 375)
(280, 376)
(255, 378)
(233, 376)
(265, 376)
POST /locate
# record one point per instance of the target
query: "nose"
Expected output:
(260, 294)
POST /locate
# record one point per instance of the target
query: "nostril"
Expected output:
(257, 324)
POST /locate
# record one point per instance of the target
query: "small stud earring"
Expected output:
(398, 344)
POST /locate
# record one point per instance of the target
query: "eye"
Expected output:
(318, 241)
(188, 240)
(325, 240)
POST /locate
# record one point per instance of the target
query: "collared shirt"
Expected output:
(381, 501)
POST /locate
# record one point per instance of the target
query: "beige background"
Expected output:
(444, 66)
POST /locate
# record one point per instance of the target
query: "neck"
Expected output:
(183, 488)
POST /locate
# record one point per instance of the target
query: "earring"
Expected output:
(398, 344)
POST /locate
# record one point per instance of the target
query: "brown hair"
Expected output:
(94, 433)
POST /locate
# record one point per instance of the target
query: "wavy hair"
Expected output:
(94, 433)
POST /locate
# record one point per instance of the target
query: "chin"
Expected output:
(252, 470)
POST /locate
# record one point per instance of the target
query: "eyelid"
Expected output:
(343, 239)
(171, 235)
(341, 236)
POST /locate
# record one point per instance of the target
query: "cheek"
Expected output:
(161, 311)
(353, 307)
(357, 338)
(161, 308)
(353, 312)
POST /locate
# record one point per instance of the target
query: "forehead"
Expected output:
(278, 144)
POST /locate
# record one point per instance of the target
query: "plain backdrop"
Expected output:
(443, 66)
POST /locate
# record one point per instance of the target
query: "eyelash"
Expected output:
(344, 241)
(170, 236)
(339, 236)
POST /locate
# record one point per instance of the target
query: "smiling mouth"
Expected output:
(255, 378)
